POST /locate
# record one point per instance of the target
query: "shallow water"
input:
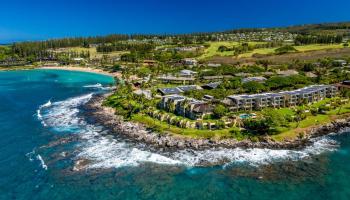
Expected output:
(44, 133)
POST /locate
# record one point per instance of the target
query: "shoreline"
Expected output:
(83, 69)
(139, 133)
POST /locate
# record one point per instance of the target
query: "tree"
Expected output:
(184, 105)
(223, 48)
(171, 107)
(320, 72)
(219, 111)
(257, 126)
(274, 118)
(253, 87)
(299, 115)
(285, 49)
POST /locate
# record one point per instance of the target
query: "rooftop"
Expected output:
(211, 85)
(186, 88)
(167, 91)
(257, 79)
(309, 89)
(216, 77)
(173, 78)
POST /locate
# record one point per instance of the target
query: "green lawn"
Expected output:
(293, 131)
(213, 49)
(315, 47)
(305, 48)
(163, 127)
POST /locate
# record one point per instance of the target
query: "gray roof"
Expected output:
(187, 72)
(176, 97)
(216, 77)
(212, 85)
(173, 78)
(167, 91)
(186, 88)
(257, 79)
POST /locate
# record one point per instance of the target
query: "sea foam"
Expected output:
(42, 163)
(97, 85)
(107, 152)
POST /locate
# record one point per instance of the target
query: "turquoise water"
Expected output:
(44, 134)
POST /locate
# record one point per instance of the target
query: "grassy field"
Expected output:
(213, 49)
(305, 48)
(293, 131)
(316, 47)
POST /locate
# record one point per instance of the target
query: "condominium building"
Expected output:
(305, 95)
(191, 108)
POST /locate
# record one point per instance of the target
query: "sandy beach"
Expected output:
(84, 69)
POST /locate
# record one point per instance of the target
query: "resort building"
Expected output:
(217, 78)
(190, 62)
(340, 62)
(259, 79)
(179, 89)
(188, 107)
(169, 91)
(211, 86)
(214, 65)
(187, 73)
(243, 74)
(146, 93)
(287, 72)
(174, 79)
(282, 99)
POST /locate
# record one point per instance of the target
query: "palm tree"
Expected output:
(320, 71)
(237, 121)
(287, 100)
(184, 106)
(340, 104)
(171, 107)
(299, 112)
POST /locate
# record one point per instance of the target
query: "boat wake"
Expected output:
(104, 151)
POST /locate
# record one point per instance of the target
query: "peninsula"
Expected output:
(253, 87)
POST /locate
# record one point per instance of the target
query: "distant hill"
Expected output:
(301, 29)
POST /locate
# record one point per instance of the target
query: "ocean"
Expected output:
(50, 150)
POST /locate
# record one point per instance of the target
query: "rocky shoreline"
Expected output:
(139, 133)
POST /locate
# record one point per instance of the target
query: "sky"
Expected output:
(46, 19)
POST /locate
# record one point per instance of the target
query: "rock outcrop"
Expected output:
(139, 133)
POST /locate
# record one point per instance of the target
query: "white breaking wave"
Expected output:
(62, 115)
(97, 85)
(107, 152)
(38, 112)
(48, 104)
(253, 156)
(30, 156)
(42, 163)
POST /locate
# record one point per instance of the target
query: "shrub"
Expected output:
(219, 111)
(257, 126)
(285, 49)
(253, 87)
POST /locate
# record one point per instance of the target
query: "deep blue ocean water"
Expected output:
(44, 134)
